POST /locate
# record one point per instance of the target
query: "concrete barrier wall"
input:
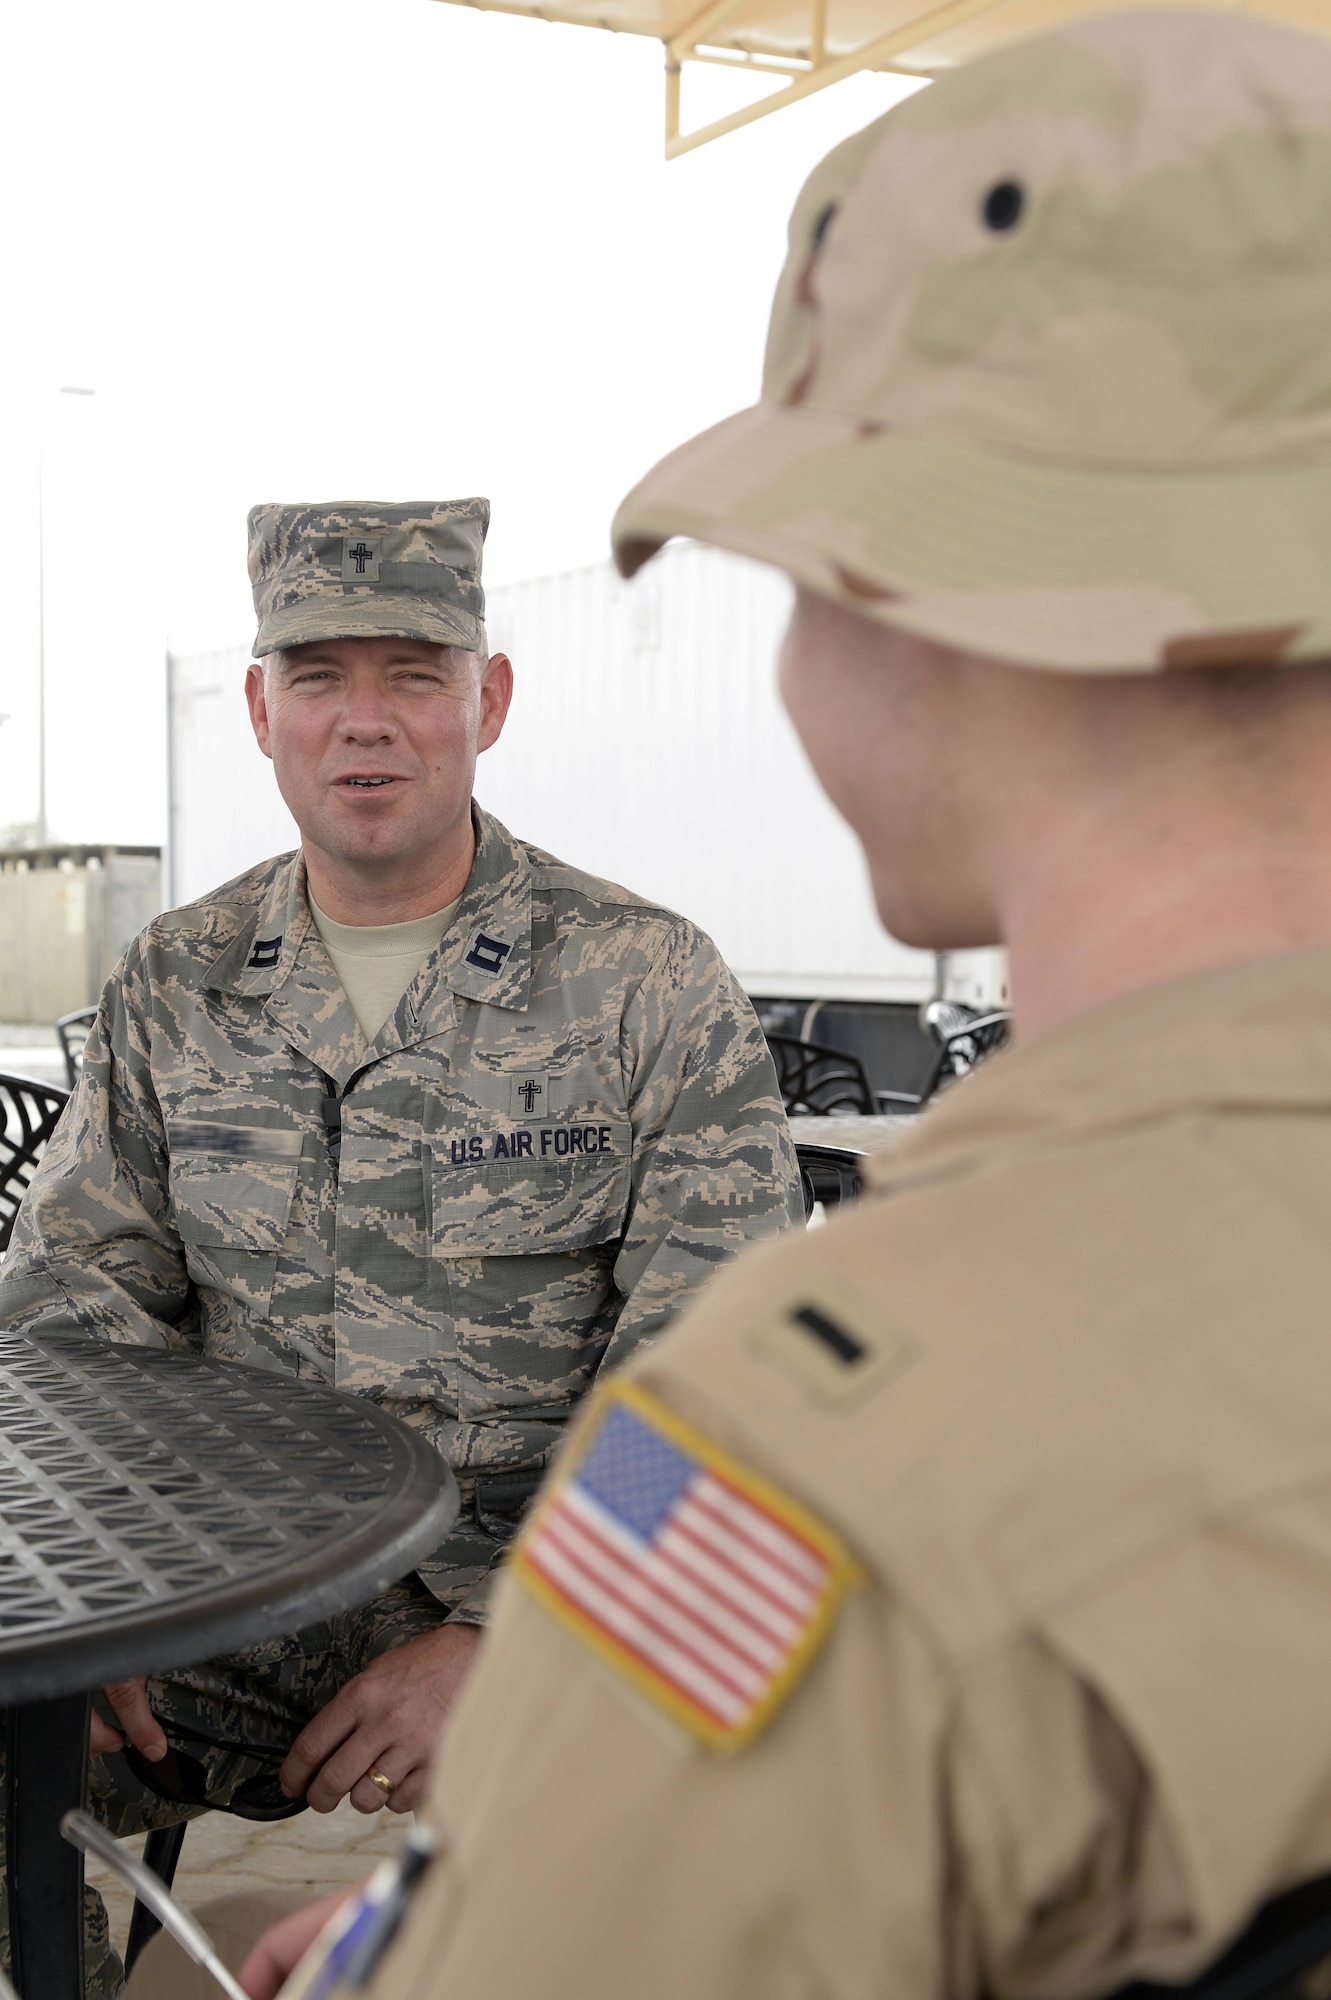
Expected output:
(66, 915)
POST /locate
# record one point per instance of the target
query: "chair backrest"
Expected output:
(828, 1174)
(965, 1038)
(968, 1045)
(29, 1114)
(814, 1081)
(898, 1051)
(73, 1032)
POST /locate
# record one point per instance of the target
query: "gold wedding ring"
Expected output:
(376, 1777)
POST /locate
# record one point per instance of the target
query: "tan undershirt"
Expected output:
(377, 962)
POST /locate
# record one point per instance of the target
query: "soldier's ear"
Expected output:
(258, 705)
(496, 694)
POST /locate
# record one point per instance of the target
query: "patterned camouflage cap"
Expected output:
(362, 569)
(1049, 370)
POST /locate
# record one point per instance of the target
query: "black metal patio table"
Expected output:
(155, 1509)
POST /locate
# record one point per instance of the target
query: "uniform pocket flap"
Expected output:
(513, 1207)
(233, 1204)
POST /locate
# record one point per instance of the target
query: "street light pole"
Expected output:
(43, 829)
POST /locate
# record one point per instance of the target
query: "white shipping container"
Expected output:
(646, 742)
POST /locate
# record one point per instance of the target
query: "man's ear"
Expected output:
(258, 706)
(496, 694)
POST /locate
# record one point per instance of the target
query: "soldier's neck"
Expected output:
(1123, 830)
(1092, 921)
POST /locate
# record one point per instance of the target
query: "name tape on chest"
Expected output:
(232, 1142)
(525, 1142)
(697, 1580)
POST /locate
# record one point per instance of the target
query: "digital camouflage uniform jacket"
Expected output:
(568, 1122)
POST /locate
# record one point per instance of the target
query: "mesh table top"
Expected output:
(157, 1508)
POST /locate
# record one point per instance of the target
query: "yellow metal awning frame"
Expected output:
(806, 73)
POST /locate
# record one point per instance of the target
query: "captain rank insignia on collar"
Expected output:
(487, 954)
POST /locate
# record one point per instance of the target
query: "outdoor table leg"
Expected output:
(46, 1771)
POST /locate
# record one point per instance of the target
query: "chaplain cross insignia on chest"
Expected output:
(530, 1095)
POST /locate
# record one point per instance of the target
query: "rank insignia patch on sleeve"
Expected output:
(701, 1583)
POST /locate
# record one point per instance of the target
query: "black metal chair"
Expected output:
(898, 1050)
(828, 1174)
(29, 1114)
(161, 1852)
(73, 1032)
(964, 1039)
(816, 1081)
(966, 1043)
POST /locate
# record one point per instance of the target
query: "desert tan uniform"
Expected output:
(1075, 1725)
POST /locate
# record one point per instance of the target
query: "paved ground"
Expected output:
(28, 1051)
(224, 1857)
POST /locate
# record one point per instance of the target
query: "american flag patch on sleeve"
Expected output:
(699, 1581)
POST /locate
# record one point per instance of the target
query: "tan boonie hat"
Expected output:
(365, 569)
(1049, 369)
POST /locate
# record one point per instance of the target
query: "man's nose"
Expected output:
(367, 718)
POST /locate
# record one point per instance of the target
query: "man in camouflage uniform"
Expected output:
(463, 1180)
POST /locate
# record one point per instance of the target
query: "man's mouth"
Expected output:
(368, 784)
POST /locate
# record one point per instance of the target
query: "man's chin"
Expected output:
(915, 922)
(368, 849)
(388, 847)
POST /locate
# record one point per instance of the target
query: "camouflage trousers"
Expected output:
(229, 1724)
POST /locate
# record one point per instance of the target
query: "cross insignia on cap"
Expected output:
(360, 558)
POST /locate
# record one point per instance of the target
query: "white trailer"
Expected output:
(646, 742)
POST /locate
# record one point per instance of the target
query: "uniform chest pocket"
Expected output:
(232, 1217)
(565, 1198)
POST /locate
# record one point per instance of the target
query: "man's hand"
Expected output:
(280, 1950)
(391, 1717)
(129, 1704)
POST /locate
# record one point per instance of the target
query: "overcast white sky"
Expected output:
(315, 249)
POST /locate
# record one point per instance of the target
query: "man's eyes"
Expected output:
(428, 677)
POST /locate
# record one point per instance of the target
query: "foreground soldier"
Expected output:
(419, 1110)
(945, 1607)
